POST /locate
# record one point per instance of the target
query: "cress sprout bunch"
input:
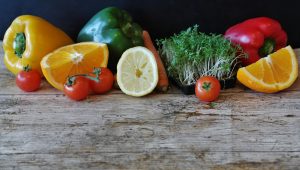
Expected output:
(192, 54)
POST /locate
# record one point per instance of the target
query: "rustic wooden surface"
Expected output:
(245, 130)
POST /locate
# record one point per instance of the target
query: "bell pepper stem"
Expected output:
(267, 48)
(20, 44)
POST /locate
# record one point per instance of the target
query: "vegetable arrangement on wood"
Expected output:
(195, 61)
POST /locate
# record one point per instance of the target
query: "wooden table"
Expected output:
(245, 130)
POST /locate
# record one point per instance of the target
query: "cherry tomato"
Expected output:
(105, 81)
(207, 88)
(77, 88)
(28, 80)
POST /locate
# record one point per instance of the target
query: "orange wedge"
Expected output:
(73, 59)
(271, 74)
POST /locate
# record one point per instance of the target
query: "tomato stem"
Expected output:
(71, 79)
(97, 72)
(27, 68)
(212, 104)
(206, 86)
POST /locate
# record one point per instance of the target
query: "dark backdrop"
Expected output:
(161, 17)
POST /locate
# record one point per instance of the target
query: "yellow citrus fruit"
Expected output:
(73, 59)
(137, 73)
(271, 74)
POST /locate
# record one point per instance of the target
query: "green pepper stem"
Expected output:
(267, 48)
(19, 44)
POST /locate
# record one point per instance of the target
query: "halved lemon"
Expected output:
(271, 74)
(73, 59)
(137, 73)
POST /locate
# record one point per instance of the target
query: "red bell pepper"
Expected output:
(258, 37)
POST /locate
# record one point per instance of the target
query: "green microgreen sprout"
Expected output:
(191, 54)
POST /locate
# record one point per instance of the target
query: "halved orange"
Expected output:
(271, 74)
(73, 59)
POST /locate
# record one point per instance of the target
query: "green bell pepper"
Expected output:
(114, 27)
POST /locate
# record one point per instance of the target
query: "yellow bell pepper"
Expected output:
(28, 39)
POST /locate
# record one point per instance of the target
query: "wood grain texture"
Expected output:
(245, 130)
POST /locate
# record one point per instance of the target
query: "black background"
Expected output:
(160, 17)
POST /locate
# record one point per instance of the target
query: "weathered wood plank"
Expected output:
(153, 122)
(156, 159)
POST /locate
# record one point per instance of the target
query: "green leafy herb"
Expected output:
(192, 54)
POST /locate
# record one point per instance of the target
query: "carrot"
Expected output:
(163, 82)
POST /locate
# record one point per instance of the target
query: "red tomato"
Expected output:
(207, 88)
(28, 80)
(77, 88)
(105, 83)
